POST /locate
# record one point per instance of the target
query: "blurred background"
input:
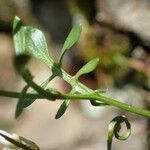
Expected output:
(118, 33)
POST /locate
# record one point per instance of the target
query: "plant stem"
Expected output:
(100, 98)
(16, 94)
(111, 102)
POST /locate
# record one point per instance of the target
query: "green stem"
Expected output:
(100, 98)
(111, 102)
(16, 94)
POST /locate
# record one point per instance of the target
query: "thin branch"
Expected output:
(100, 98)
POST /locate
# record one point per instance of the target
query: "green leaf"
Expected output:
(20, 104)
(62, 109)
(70, 41)
(29, 101)
(29, 41)
(89, 67)
(35, 44)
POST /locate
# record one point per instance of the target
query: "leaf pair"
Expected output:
(69, 42)
(89, 67)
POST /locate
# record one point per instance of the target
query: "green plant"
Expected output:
(30, 42)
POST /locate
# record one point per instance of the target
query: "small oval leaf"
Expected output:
(20, 104)
(30, 41)
(89, 67)
(35, 44)
(62, 109)
(70, 41)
